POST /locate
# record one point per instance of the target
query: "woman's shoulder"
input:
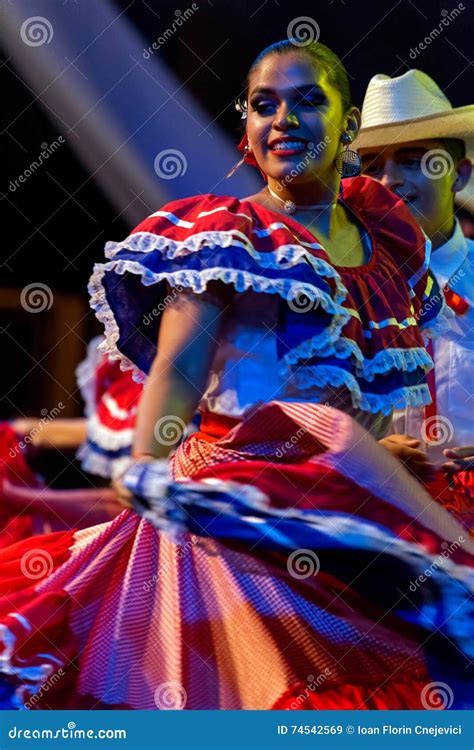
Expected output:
(390, 222)
(381, 208)
(197, 212)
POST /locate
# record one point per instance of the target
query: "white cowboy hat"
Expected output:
(411, 107)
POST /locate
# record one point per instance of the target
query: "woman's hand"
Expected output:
(462, 459)
(406, 449)
(124, 496)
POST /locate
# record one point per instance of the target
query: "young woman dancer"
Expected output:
(278, 557)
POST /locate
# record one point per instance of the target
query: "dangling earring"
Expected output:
(247, 151)
(241, 106)
(348, 162)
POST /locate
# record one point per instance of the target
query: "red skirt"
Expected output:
(125, 615)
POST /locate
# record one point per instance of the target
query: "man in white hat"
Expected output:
(416, 144)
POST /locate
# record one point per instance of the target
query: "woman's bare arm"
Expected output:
(81, 508)
(187, 343)
(56, 433)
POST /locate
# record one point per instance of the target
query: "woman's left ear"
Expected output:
(463, 175)
(353, 120)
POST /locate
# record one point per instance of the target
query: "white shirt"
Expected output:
(453, 266)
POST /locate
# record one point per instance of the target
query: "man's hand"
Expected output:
(462, 459)
(406, 449)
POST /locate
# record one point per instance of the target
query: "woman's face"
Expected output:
(294, 119)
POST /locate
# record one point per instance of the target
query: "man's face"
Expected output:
(422, 179)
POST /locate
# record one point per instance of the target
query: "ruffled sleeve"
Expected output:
(381, 355)
(87, 375)
(396, 230)
(111, 398)
(191, 244)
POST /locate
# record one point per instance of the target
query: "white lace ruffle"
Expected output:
(414, 395)
(100, 465)
(440, 325)
(106, 438)
(86, 375)
(197, 281)
(149, 242)
(307, 377)
(405, 360)
(326, 343)
(280, 259)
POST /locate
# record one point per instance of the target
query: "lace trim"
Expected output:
(86, 375)
(107, 438)
(406, 360)
(280, 259)
(226, 402)
(387, 359)
(413, 395)
(440, 325)
(100, 465)
(198, 280)
(307, 377)
(149, 242)
(324, 344)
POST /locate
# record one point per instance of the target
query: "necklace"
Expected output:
(291, 207)
(365, 237)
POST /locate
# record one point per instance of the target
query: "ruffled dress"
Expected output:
(281, 558)
(111, 399)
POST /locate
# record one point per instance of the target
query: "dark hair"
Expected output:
(321, 55)
(455, 148)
